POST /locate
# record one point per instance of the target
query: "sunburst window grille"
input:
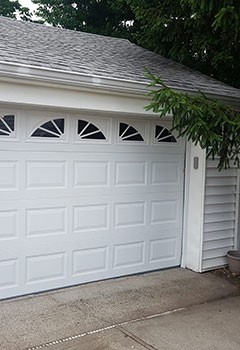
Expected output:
(53, 128)
(129, 133)
(89, 131)
(163, 135)
(7, 125)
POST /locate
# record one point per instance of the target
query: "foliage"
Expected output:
(10, 8)
(202, 34)
(93, 16)
(210, 124)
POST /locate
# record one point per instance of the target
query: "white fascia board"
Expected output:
(35, 74)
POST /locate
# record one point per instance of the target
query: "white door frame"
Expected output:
(193, 207)
(237, 225)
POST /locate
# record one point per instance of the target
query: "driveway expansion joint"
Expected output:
(118, 326)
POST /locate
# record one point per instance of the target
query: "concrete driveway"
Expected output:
(171, 309)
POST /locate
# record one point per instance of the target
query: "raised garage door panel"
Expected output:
(87, 200)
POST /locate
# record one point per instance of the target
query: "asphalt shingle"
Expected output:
(56, 48)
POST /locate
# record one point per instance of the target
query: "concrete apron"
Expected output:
(138, 312)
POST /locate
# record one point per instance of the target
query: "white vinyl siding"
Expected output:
(220, 215)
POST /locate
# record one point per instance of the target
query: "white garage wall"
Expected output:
(220, 215)
(49, 96)
(26, 94)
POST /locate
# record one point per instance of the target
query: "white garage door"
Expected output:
(86, 198)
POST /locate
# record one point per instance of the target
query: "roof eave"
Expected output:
(67, 78)
(34, 74)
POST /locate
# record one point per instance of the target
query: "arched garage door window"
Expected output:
(53, 128)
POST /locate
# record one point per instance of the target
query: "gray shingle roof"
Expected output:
(56, 48)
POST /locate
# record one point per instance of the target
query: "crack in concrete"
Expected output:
(136, 339)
